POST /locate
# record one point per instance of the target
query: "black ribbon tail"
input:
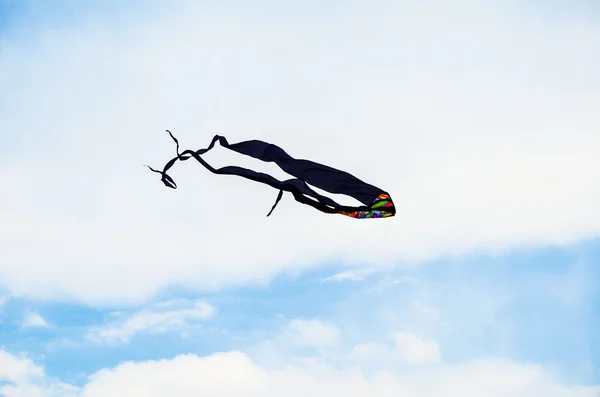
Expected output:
(306, 173)
(279, 196)
(179, 156)
(176, 142)
(166, 179)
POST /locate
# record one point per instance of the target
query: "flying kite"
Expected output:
(377, 203)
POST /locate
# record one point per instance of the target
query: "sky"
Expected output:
(479, 117)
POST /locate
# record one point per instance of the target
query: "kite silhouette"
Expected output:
(377, 203)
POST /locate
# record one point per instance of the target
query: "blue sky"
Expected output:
(487, 282)
(541, 306)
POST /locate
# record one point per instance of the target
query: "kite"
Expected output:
(377, 203)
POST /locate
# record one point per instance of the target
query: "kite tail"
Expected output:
(165, 178)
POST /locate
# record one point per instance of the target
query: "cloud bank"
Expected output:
(486, 141)
(234, 373)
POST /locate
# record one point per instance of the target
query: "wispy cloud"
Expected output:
(406, 348)
(351, 275)
(34, 320)
(171, 316)
(21, 377)
(312, 333)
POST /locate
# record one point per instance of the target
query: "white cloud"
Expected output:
(485, 141)
(314, 333)
(352, 275)
(34, 320)
(423, 311)
(295, 338)
(161, 318)
(407, 349)
(21, 377)
(416, 350)
(370, 349)
(235, 374)
(13, 368)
